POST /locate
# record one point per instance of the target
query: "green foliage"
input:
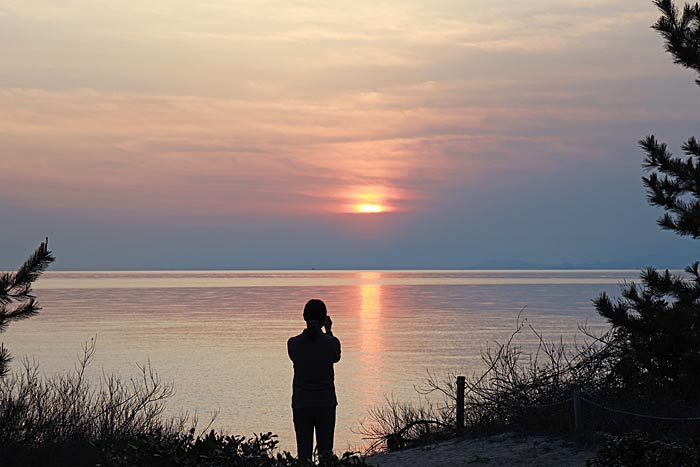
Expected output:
(674, 183)
(401, 425)
(61, 416)
(70, 420)
(656, 325)
(637, 449)
(160, 448)
(16, 299)
(681, 30)
(517, 390)
(211, 450)
(656, 343)
(476, 459)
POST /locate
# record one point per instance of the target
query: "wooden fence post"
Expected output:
(578, 412)
(460, 404)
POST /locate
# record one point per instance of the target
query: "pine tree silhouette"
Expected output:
(674, 183)
(657, 323)
(16, 299)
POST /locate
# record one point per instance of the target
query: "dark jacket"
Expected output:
(313, 360)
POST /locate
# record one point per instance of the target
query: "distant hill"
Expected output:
(656, 261)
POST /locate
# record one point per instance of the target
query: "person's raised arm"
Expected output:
(328, 324)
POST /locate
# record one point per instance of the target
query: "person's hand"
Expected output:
(328, 323)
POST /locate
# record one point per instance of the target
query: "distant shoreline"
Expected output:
(320, 270)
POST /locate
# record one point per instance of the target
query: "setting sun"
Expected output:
(370, 208)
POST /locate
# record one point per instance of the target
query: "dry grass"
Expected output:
(518, 389)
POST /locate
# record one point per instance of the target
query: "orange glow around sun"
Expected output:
(369, 199)
(370, 208)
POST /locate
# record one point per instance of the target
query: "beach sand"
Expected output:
(503, 450)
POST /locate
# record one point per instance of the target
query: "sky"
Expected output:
(243, 134)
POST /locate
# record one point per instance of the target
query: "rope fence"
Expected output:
(541, 406)
(576, 399)
(639, 415)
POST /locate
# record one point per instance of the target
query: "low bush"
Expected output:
(400, 425)
(639, 449)
(519, 389)
(211, 450)
(69, 420)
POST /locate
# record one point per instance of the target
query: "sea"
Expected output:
(220, 336)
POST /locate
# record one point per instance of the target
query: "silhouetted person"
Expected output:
(313, 353)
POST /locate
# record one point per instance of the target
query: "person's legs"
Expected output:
(325, 427)
(304, 428)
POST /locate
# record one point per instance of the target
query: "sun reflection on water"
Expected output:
(372, 346)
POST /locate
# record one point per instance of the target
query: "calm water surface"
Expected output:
(221, 336)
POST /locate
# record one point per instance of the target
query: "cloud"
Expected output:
(273, 107)
(304, 47)
(263, 121)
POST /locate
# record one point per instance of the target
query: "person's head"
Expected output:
(315, 310)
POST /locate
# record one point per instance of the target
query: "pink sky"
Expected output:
(175, 111)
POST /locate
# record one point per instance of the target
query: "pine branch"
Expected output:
(681, 31)
(34, 266)
(5, 359)
(6, 281)
(656, 324)
(23, 311)
(671, 180)
(16, 299)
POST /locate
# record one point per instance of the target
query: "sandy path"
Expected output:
(503, 450)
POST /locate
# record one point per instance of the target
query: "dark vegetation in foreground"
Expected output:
(646, 368)
(66, 421)
(72, 420)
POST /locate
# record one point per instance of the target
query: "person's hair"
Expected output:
(314, 310)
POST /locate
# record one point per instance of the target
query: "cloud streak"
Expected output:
(197, 111)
